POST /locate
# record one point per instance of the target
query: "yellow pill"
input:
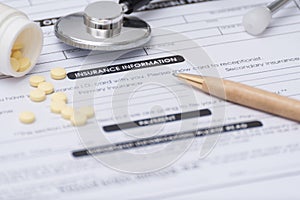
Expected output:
(17, 54)
(58, 73)
(27, 117)
(57, 106)
(67, 112)
(36, 80)
(88, 111)
(15, 64)
(48, 88)
(37, 95)
(78, 119)
(25, 63)
(59, 96)
(17, 46)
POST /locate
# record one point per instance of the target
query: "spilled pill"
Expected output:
(59, 96)
(37, 95)
(47, 87)
(57, 106)
(67, 112)
(27, 117)
(36, 80)
(58, 73)
(88, 111)
(78, 119)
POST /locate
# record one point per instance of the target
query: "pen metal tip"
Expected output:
(181, 75)
(175, 74)
(190, 78)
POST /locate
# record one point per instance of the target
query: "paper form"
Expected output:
(163, 117)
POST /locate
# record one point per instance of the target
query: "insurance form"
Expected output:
(153, 137)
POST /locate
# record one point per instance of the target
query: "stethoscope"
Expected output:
(103, 25)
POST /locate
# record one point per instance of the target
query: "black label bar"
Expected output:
(47, 22)
(167, 138)
(125, 67)
(157, 120)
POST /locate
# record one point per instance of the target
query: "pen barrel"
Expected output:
(253, 98)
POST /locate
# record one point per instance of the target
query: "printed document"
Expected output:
(153, 136)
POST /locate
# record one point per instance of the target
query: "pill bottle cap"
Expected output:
(18, 28)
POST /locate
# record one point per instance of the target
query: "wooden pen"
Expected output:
(245, 95)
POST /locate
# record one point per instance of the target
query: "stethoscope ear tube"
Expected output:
(133, 5)
(276, 5)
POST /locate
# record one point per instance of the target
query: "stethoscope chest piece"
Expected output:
(102, 26)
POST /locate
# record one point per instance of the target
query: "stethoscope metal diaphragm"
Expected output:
(102, 26)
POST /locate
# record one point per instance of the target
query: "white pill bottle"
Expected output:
(16, 28)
